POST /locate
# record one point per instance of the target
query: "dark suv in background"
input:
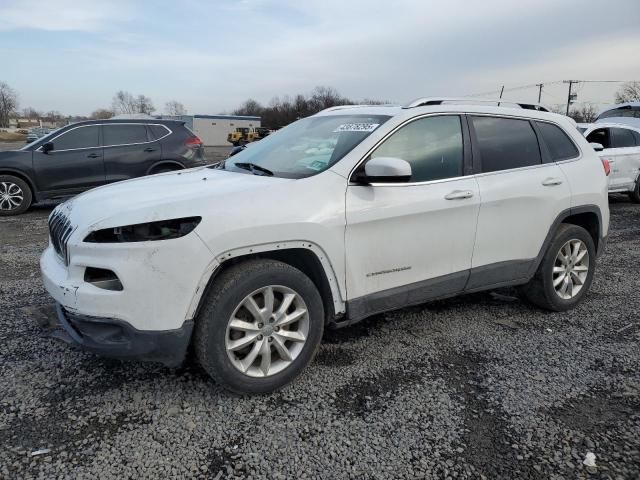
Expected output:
(88, 154)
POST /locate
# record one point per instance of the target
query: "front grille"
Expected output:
(60, 229)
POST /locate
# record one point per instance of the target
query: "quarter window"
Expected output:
(124, 134)
(559, 145)
(433, 146)
(623, 138)
(82, 137)
(506, 143)
(158, 131)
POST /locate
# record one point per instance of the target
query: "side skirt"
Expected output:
(503, 274)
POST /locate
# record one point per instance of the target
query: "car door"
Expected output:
(409, 242)
(521, 198)
(604, 137)
(625, 151)
(74, 164)
(129, 151)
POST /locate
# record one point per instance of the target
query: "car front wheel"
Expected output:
(15, 195)
(260, 326)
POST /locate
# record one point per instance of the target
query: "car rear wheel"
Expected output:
(260, 326)
(635, 195)
(15, 195)
(566, 271)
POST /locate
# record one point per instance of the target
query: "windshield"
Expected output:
(306, 147)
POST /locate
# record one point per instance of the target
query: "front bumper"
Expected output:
(113, 338)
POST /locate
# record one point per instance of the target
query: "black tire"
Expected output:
(635, 195)
(6, 182)
(227, 292)
(540, 290)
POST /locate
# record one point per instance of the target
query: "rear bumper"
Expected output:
(117, 339)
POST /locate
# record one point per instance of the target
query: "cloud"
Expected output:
(212, 56)
(62, 15)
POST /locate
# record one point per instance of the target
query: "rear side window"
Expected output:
(506, 143)
(559, 145)
(82, 137)
(623, 138)
(158, 131)
(433, 146)
(124, 134)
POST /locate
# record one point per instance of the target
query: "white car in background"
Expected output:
(621, 147)
(625, 113)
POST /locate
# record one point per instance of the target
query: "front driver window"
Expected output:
(432, 145)
(600, 136)
(81, 137)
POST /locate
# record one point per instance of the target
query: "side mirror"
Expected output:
(385, 170)
(47, 147)
(597, 146)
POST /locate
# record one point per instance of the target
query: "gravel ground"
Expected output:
(481, 386)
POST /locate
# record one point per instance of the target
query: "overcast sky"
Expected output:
(72, 56)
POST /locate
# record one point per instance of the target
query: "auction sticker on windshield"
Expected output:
(357, 127)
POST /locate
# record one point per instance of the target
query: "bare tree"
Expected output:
(102, 114)
(325, 97)
(173, 107)
(630, 92)
(31, 113)
(8, 103)
(585, 114)
(144, 105)
(250, 107)
(284, 110)
(124, 102)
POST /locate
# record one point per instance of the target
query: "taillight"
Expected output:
(193, 141)
(607, 166)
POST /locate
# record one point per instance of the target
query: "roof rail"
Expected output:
(427, 101)
(344, 107)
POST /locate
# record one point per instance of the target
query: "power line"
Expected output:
(555, 82)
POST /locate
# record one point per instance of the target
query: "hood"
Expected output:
(160, 197)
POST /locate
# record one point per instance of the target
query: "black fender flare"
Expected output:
(569, 212)
(161, 163)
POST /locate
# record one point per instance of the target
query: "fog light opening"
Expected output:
(102, 278)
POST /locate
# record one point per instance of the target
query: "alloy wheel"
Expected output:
(267, 331)
(11, 196)
(570, 269)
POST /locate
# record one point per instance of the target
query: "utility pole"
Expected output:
(569, 95)
(501, 92)
(539, 85)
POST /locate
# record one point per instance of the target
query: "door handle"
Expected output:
(551, 182)
(149, 149)
(93, 155)
(459, 195)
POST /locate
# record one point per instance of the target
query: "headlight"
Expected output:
(145, 232)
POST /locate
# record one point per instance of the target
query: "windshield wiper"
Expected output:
(253, 168)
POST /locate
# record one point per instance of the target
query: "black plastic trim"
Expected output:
(405, 296)
(114, 338)
(499, 274)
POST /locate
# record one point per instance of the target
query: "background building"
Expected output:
(213, 129)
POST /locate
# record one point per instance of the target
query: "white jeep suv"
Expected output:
(351, 212)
